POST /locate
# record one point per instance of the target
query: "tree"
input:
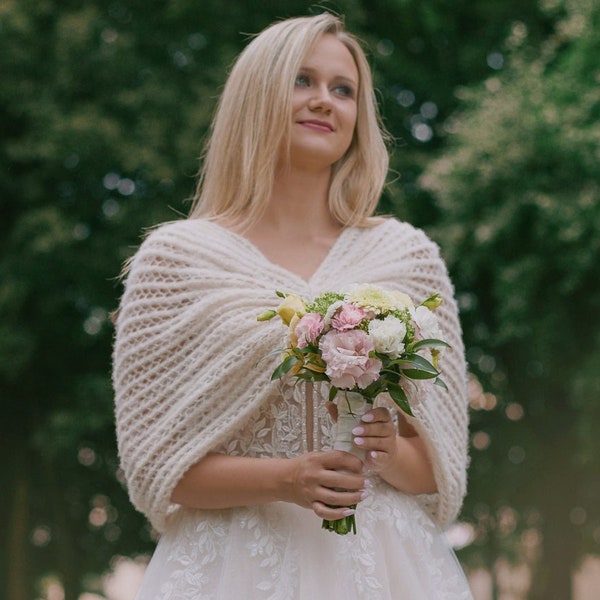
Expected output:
(519, 187)
(102, 116)
(103, 108)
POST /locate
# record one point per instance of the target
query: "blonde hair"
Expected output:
(252, 124)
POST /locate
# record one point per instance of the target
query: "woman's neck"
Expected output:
(300, 200)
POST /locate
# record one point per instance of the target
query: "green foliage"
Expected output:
(103, 109)
(519, 188)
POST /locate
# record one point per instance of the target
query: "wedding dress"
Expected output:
(279, 551)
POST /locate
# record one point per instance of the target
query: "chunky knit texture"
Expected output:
(191, 363)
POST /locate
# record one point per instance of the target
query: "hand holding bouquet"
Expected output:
(367, 341)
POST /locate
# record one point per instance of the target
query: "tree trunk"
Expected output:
(18, 585)
(558, 488)
(66, 551)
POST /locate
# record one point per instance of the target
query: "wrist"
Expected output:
(282, 481)
(392, 471)
(409, 469)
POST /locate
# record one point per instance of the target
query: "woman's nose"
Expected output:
(321, 99)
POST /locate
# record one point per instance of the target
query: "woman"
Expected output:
(235, 472)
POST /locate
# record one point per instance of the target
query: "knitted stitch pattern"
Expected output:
(191, 362)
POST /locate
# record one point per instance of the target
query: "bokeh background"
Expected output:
(494, 107)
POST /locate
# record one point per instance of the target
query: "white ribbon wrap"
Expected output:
(351, 407)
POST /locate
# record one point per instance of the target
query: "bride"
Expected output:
(236, 473)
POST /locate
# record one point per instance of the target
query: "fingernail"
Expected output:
(359, 441)
(367, 418)
(373, 454)
(348, 512)
(368, 483)
(358, 431)
(364, 495)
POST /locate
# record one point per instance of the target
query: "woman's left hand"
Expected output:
(397, 455)
(377, 435)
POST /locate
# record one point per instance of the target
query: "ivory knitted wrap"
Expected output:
(189, 354)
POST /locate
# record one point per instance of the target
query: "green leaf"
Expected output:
(308, 375)
(441, 383)
(284, 367)
(332, 393)
(418, 374)
(429, 343)
(415, 361)
(272, 353)
(399, 397)
(375, 388)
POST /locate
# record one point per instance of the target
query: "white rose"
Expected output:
(388, 336)
(333, 308)
(427, 323)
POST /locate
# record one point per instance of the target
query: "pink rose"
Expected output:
(346, 355)
(348, 317)
(308, 329)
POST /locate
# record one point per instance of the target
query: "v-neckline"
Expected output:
(254, 248)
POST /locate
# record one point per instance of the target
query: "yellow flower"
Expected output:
(371, 298)
(291, 305)
(292, 337)
(434, 301)
(266, 315)
(313, 362)
(297, 367)
(401, 300)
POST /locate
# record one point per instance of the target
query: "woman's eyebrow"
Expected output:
(339, 77)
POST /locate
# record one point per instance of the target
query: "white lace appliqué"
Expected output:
(278, 551)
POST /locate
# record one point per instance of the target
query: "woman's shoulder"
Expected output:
(400, 233)
(184, 235)
(176, 228)
(181, 242)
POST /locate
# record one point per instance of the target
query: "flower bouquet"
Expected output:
(364, 342)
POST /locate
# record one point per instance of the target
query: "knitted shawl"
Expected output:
(189, 355)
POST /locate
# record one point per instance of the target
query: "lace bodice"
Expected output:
(289, 424)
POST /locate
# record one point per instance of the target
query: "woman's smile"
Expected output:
(318, 125)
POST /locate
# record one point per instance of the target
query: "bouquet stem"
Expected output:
(351, 407)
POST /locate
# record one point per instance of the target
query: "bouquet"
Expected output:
(364, 342)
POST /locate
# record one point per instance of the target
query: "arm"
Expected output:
(311, 480)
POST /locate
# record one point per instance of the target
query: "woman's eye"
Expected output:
(302, 81)
(345, 90)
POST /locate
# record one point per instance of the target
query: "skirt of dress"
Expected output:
(279, 552)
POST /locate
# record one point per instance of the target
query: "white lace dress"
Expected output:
(278, 551)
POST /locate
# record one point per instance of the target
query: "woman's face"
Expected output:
(324, 105)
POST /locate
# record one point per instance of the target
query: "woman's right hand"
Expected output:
(322, 480)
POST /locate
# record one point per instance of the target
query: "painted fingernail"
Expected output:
(348, 512)
(368, 483)
(373, 454)
(359, 441)
(358, 431)
(364, 495)
(367, 418)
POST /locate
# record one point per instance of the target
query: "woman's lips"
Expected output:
(318, 125)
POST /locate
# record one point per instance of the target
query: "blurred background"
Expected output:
(495, 111)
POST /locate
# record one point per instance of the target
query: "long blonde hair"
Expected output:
(252, 124)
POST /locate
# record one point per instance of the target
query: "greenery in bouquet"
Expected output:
(367, 340)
